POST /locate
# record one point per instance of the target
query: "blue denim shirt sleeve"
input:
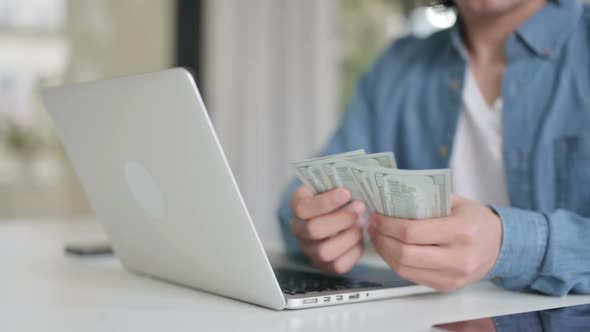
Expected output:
(524, 243)
(546, 253)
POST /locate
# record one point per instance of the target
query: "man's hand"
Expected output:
(329, 228)
(441, 253)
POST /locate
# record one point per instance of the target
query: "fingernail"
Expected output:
(358, 207)
(342, 196)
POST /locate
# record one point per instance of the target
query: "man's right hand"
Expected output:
(329, 228)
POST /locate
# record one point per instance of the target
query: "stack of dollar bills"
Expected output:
(376, 180)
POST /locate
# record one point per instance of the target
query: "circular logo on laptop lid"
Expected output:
(144, 189)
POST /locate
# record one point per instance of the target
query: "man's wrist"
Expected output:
(524, 242)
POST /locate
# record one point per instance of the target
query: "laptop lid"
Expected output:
(154, 171)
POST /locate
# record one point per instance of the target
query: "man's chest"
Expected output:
(545, 131)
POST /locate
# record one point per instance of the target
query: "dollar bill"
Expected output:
(311, 174)
(375, 180)
(340, 174)
(411, 194)
(336, 170)
(361, 177)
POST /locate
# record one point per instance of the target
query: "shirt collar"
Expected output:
(543, 34)
(547, 31)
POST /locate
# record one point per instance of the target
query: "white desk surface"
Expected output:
(41, 289)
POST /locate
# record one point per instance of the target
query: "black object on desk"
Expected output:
(88, 249)
(567, 319)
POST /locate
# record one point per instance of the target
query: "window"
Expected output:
(48, 42)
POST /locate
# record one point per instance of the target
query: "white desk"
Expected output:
(41, 289)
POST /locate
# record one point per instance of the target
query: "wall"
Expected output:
(272, 89)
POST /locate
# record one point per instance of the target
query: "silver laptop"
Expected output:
(155, 173)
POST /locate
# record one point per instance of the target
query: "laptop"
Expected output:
(154, 171)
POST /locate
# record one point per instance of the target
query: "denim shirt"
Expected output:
(410, 101)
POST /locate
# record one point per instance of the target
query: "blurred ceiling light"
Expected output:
(426, 20)
(440, 18)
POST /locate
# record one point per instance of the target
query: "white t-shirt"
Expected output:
(477, 163)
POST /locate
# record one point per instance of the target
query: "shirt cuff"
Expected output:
(524, 242)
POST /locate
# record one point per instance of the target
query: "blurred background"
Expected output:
(276, 76)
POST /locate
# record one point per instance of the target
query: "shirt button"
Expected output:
(455, 85)
(443, 151)
(547, 51)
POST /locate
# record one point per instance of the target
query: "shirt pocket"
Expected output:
(572, 160)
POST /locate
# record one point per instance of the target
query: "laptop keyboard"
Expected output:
(298, 282)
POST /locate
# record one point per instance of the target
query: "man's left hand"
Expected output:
(441, 253)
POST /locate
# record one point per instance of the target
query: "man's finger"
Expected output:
(456, 199)
(343, 263)
(423, 231)
(328, 225)
(307, 206)
(418, 256)
(430, 278)
(330, 249)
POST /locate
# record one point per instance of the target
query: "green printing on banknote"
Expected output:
(375, 180)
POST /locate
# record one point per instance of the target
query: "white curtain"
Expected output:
(272, 87)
